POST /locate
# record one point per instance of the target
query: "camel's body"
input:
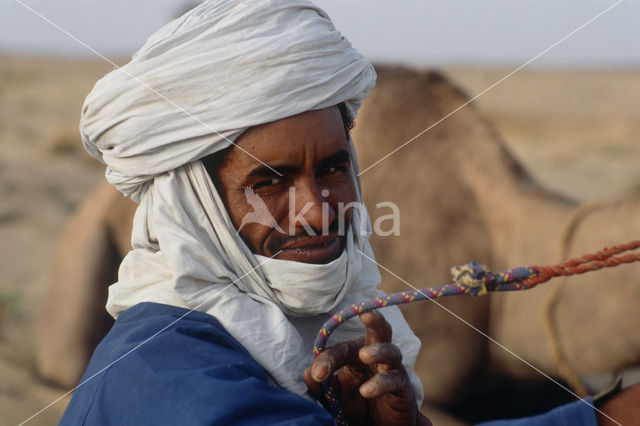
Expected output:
(72, 319)
(461, 196)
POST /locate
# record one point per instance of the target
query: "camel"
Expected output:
(72, 319)
(462, 196)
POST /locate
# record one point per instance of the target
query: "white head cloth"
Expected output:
(195, 87)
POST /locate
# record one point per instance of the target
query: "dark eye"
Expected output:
(267, 182)
(330, 170)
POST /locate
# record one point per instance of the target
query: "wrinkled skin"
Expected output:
(373, 384)
(307, 153)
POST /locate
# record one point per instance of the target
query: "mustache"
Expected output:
(279, 239)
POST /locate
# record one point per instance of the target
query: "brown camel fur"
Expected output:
(461, 196)
(72, 320)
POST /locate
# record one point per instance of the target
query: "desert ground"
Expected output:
(574, 131)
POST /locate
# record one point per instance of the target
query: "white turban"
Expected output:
(202, 80)
(195, 86)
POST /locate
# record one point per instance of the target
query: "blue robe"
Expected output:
(191, 373)
(158, 366)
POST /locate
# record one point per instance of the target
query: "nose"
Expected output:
(309, 209)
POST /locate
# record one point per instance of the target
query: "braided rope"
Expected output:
(551, 326)
(475, 279)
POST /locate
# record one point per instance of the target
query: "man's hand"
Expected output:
(623, 408)
(373, 385)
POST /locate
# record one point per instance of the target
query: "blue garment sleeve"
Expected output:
(156, 368)
(579, 412)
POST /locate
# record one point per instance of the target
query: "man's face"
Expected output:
(275, 212)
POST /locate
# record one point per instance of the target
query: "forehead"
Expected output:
(305, 138)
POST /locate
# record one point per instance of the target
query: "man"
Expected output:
(263, 93)
(237, 110)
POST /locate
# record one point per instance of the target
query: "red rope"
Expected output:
(605, 258)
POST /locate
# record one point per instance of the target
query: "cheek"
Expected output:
(237, 207)
(239, 211)
(254, 235)
(342, 193)
(278, 205)
(341, 190)
(255, 216)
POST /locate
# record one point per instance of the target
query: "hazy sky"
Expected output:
(427, 32)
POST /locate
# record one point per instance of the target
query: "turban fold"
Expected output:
(202, 80)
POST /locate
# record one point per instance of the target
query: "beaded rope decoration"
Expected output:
(475, 279)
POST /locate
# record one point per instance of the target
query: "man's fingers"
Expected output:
(393, 381)
(335, 357)
(387, 355)
(315, 388)
(378, 329)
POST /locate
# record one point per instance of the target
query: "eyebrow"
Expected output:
(264, 171)
(340, 156)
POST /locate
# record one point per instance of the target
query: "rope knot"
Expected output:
(473, 276)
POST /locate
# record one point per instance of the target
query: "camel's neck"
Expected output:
(521, 216)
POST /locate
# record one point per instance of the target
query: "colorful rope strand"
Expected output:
(474, 279)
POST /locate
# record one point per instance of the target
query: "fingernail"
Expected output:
(320, 371)
(368, 389)
(372, 351)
